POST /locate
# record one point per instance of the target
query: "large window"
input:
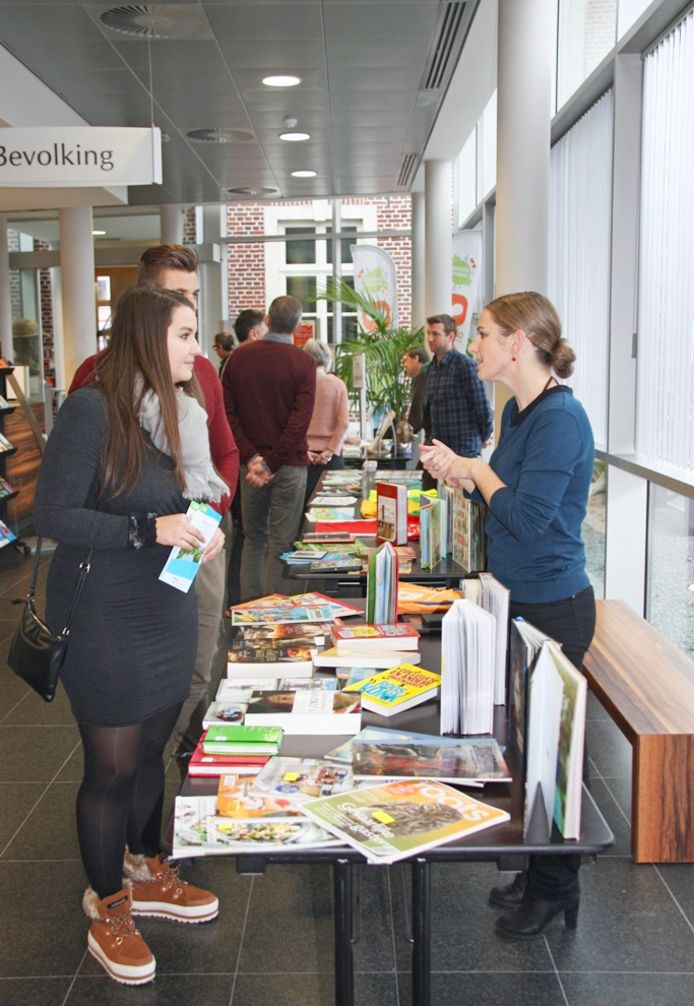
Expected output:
(665, 354)
(301, 265)
(670, 604)
(579, 252)
(586, 34)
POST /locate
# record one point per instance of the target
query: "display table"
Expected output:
(503, 843)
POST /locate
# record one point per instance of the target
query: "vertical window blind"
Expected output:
(665, 353)
(579, 252)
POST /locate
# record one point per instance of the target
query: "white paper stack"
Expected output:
(495, 599)
(468, 659)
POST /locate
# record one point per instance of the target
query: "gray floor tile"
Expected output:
(34, 711)
(37, 899)
(627, 922)
(165, 990)
(375, 949)
(16, 800)
(679, 878)
(629, 989)
(72, 769)
(614, 815)
(463, 925)
(595, 709)
(35, 841)
(621, 791)
(311, 989)
(491, 989)
(289, 927)
(33, 991)
(13, 689)
(25, 757)
(608, 749)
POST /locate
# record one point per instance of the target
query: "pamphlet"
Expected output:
(183, 564)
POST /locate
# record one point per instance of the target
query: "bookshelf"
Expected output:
(7, 450)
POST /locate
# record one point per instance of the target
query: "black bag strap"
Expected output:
(84, 569)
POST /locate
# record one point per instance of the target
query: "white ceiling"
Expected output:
(366, 97)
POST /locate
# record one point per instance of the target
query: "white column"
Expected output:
(171, 218)
(79, 300)
(212, 306)
(525, 60)
(5, 301)
(438, 251)
(418, 260)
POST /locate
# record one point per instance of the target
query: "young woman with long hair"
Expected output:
(125, 457)
(536, 490)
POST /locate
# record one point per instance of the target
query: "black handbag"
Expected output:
(36, 654)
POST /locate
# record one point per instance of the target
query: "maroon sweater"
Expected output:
(269, 390)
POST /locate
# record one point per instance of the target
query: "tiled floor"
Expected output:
(273, 941)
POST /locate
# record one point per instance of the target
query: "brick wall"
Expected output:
(246, 269)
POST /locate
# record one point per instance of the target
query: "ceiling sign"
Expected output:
(79, 155)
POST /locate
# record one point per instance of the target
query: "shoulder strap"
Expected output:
(84, 569)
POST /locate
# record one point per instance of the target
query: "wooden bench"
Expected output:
(647, 686)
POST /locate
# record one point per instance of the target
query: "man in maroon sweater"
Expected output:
(269, 393)
(176, 268)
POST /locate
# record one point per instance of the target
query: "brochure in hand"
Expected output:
(399, 819)
(183, 564)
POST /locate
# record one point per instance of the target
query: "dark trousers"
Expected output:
(570, 622)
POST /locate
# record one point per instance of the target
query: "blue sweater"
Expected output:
(545, 459)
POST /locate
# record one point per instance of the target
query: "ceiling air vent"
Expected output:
(157, 20)
(407, 170)
(446, 43)
(246, 190)
(221, 135)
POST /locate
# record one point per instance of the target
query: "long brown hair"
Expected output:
(138, 348)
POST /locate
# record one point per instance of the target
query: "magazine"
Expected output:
(399, 819)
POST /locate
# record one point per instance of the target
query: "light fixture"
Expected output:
(304, 174)
(295, 137)
(221, 135)
(247, 190)
(98, 234)
(281, 80)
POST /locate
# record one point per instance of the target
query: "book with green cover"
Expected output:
(227, 738)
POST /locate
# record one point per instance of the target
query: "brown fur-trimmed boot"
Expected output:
(114, 940)
(158, 890)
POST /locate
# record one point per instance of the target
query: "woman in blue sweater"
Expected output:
(536, 489)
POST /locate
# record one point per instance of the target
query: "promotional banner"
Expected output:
(374, 277)
(465, 281)
(59, 156)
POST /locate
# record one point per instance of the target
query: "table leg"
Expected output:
(344, 976)
(421, 932)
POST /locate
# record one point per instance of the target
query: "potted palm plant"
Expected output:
(383, 345)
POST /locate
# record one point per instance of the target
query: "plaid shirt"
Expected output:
(460, 414)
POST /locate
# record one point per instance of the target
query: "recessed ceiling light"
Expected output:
(281, 80)
(304, 174)
(98, 234)
(295, 137)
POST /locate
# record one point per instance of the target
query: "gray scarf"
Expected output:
(202, 481)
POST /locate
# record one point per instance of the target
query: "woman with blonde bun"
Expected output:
(536, 489)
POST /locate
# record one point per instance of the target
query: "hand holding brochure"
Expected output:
(183, 563)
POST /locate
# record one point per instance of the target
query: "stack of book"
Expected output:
(370, 646)
(232, 747)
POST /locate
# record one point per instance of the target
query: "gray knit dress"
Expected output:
(133, 638)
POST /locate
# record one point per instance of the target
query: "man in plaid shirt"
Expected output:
(459, 411)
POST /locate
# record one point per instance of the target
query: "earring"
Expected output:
(513, 358)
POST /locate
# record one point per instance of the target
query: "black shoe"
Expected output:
(533, 916)
(509, 895)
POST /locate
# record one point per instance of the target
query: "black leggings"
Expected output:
(570, 622)
(121, 797)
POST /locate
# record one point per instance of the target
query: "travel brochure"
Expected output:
(183, 563)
